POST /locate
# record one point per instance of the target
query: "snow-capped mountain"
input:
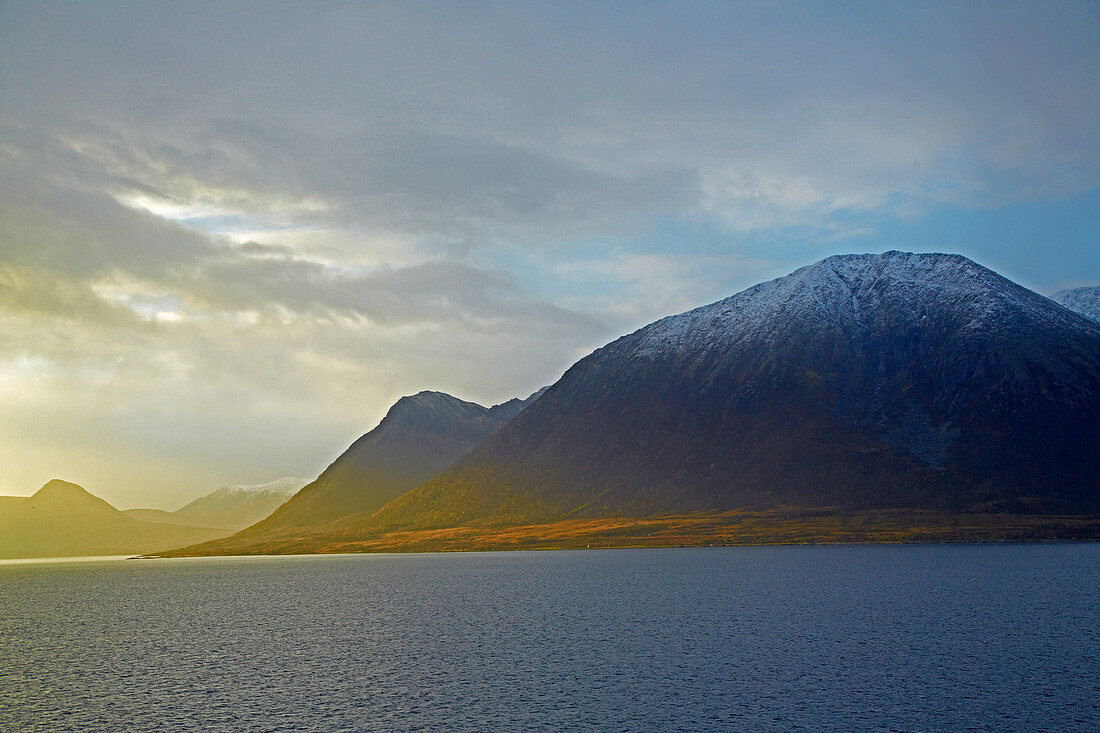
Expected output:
(850, 292)
(230, 507)
(892, 380)
(1085, 301)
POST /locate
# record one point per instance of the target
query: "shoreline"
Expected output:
(787, 526)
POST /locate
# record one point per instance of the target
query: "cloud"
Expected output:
(513, 120)
(131, 335)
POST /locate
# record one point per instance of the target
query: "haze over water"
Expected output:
(768, 638)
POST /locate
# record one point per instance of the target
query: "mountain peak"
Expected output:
(897, 258)
(65, 497)
(58, 490)
(905, 266)
(430, 409)
(849, 293)
(427, 399)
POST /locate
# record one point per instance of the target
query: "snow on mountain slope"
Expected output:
(1085, 301)
(230, 507)
(843, 291)
(286, 486)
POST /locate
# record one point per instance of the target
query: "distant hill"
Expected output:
(230, 508)
(64, 520)
(420, 435)
(1085, 301)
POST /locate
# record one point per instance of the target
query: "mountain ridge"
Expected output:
(931, 320)
(921, 387)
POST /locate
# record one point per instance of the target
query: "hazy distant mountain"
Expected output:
(1085, 301)
(420, 435)
(862, 381)
(230, 507)
(63, 520)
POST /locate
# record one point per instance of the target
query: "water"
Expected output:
(997, 638)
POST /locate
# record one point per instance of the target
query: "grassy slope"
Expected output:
(787, 525)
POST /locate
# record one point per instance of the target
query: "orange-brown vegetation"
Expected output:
(783, 526)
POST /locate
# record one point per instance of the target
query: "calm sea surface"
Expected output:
(997, 638)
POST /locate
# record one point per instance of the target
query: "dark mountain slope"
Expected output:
(862, 381)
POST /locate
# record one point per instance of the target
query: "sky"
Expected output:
(233, 234)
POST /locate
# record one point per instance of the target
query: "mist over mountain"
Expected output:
(62, 519)
(230, 507)
(1085, 301)
(862, 381)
